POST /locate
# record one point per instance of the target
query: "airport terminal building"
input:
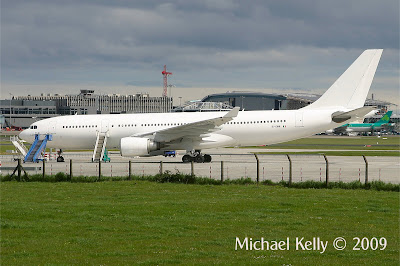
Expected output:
(22, 111)
(264, 101)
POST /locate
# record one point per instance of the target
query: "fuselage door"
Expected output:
(299, 119)
(51, 129)
(104, 126)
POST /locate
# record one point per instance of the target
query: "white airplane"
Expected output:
(152, 134)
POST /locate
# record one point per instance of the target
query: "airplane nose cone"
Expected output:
(23, 135)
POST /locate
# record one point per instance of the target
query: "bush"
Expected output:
(177, 177)
(379, 185)
(60, 177)
(240, 181)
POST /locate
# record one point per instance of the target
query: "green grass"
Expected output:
(158, 223)
(6, 147)
(339, 153)
(339, 143)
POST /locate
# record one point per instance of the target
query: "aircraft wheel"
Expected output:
(207, 158)
(186, 158)
(199, 159)
(60, 159)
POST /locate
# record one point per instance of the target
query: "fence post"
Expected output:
(130, 170)
(326, 170)
(222, 171)
(161, 167)
(44, 167)
(70, 170)
(258, 168)
(290, 169)
(366, 169)
(99, 170)
(19, 169)
(192, 167)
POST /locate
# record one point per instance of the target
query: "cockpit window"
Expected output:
(33, 127)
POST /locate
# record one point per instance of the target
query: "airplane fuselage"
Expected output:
(364, 127)
(248, 128)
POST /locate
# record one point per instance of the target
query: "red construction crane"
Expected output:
(165, 74)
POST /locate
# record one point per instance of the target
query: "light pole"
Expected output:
(170, 86)
(9, 124)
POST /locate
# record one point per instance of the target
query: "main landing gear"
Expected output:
(196, 157)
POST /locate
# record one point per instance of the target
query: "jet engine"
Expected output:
(133, 146)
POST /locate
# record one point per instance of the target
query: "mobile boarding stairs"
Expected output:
(35, 152)
(100, 152)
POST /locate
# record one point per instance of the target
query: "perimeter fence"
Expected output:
(259, 167)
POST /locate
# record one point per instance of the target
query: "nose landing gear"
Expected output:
(60, 159)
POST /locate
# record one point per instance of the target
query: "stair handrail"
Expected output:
(95, 146)
(22, 144)
(19, 145)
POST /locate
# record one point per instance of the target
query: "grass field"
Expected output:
(337, 153)
(143, 222)
(341, 143)
(340, 146)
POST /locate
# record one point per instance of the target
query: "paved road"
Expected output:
(237, 163)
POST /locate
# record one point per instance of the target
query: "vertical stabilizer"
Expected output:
(385, 119)
(351, 88)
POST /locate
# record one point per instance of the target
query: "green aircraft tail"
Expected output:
(385, 118)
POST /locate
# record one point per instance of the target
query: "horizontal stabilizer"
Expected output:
(340, 117)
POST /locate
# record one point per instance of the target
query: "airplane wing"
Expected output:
(195, 130)
(340, 117)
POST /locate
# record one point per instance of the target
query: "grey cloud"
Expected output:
(123, 38)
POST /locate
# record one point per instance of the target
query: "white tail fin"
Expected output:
(351, 88)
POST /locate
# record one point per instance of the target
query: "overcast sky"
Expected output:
(210, 46)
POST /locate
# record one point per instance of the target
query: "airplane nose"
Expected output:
(23, 135)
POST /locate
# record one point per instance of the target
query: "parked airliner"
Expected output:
(152, 134)
(364, 127)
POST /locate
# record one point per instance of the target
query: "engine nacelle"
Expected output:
(133, 146)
